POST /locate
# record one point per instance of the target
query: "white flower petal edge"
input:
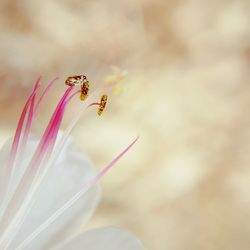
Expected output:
(107, 238)
(64, 179)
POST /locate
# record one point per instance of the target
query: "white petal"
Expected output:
(71, 171)
(108, 238)
(22, 162)
(5, 150)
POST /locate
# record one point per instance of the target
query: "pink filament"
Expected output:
(33, 112)
(48, 132)
(44, 149)
(51, 139)
(15, 145)
(94, 104)
(20, 126)
(28, 124)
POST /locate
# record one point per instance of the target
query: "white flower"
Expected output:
(48, 187)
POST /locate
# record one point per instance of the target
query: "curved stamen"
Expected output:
(101, 104)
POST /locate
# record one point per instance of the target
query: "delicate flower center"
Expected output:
(16, 201)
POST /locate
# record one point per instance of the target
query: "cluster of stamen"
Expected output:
(82, 81)
(17, 195)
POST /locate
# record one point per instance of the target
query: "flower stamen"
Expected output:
(76, 80)
(84, 91)
(82, 81)
(19, 200)
(102, 104)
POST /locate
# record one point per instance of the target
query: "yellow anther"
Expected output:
(81, 81)
(102, 104)
(76, 80)
(84, 91)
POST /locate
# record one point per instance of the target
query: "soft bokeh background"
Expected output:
(186, 183)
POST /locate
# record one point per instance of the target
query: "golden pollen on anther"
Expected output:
(76, 80)
(82, 81)
(84, 91)
(102, 104)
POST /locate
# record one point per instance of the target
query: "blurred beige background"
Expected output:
(186, 184)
